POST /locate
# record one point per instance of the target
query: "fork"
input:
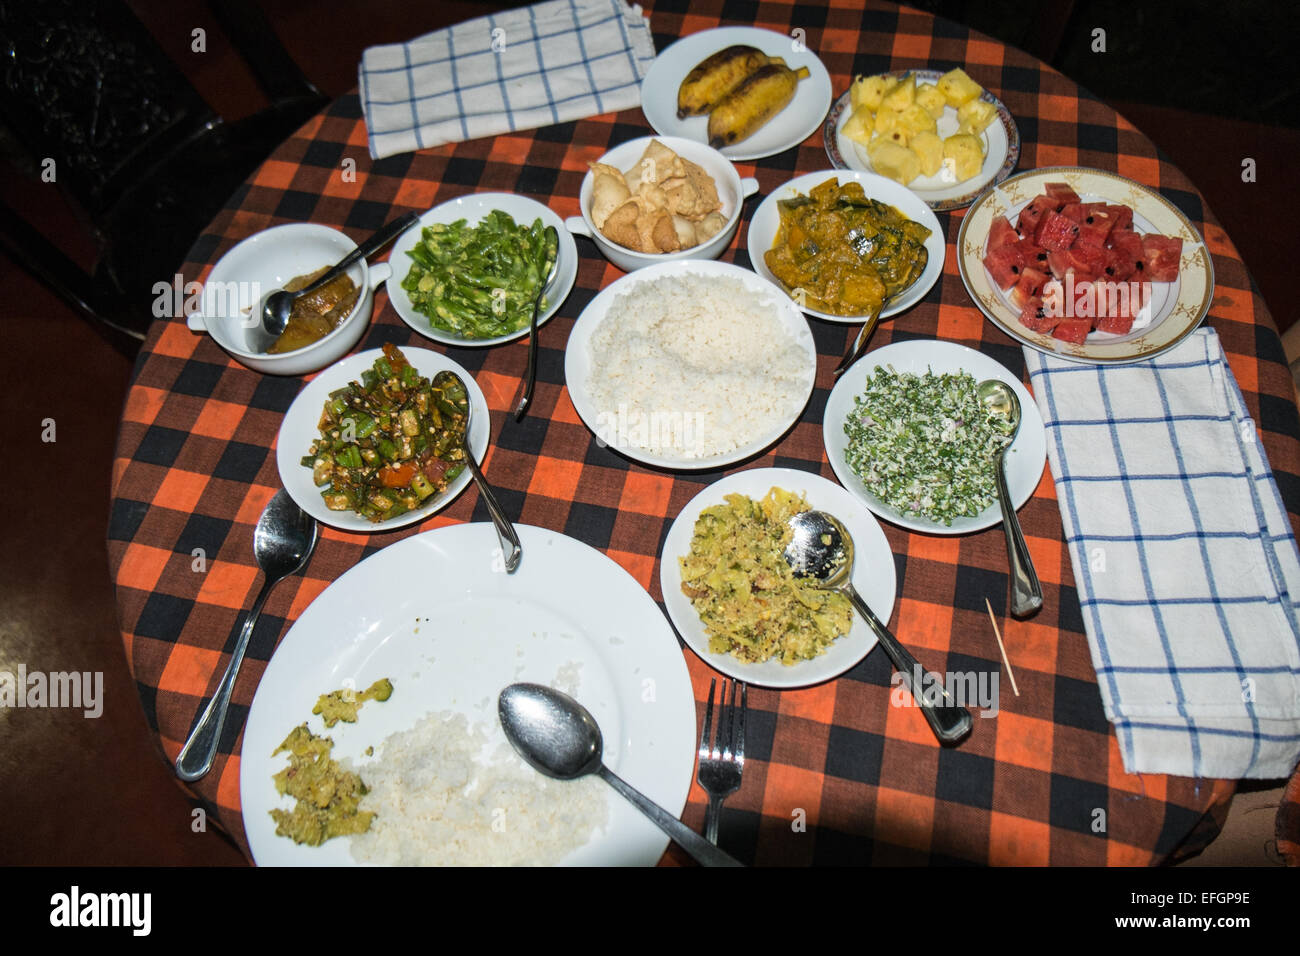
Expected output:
(722, 761)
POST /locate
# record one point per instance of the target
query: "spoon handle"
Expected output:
(1026, 592)
(511, 550)
(200, 750)
(949, 721)
(700, 849)
(364, 251)
(530, 375)
(860, 343)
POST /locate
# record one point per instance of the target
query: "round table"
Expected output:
(833, 774)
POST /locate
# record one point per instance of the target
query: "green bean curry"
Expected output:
(848, 253)
(390, 441)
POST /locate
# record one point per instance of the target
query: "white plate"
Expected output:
(1176, 308)
(794, 124)
(873, 576)
(473, 208)
(298, 430)
(1001, 149)
(1024, 463)
(767, 220)
(479, 630)
(607, 424)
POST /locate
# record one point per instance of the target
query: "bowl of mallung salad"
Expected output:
(907, 437)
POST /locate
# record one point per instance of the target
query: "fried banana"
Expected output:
(715, 77)
(762, 95)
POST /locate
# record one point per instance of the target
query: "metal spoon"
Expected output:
(278, 306)
(822, 549)
(560, 738)
(1026, 592)
(553, 265)
(282, 542)
(859, 344)
(510, 547)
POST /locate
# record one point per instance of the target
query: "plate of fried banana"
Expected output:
(747, 92)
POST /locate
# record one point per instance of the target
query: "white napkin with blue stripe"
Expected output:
(1186, 565)
(549, 63)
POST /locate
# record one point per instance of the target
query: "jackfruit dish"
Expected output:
(751, 604)
(665, 203)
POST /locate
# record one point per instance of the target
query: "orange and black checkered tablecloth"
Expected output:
(1040, 783)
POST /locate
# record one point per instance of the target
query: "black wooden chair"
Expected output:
(142, 157)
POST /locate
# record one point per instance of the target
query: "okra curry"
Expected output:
(390, 441)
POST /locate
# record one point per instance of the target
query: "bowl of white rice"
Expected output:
(690, 365)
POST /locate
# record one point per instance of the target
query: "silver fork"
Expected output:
(723, 760)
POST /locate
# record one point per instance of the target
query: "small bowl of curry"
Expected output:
(325, 325)
(841, 242)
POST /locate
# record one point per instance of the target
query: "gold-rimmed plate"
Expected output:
(1174, 310)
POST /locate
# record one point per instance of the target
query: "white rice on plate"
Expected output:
(448, 792)
(693, 367)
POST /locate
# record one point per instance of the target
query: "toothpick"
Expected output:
(998, 635)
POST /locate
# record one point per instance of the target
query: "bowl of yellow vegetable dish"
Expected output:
(325, 325)
(888, 239)
(734, 600)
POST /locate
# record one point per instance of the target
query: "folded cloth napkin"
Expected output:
(549, 63)
(1185, 562)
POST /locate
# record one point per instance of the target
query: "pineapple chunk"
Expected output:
(859, 126)
(966, 153)
(886, 127)
(929, 150)
(890, 159)
(929, 98)
(958, 88)
(868, 91)
(901, 95)
(975, 116)
(915, 120)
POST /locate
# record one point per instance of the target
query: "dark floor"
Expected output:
(96, 791)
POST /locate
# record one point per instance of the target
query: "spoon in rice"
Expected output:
(822, 549)
(560, 738)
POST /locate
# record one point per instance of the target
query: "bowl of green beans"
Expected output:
(470, 271)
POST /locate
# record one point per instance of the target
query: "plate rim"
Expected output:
(1046, 344)
(586, 323)
(1030, 415)
(937, 240)
(565, 278)
(830, 138)
(737, 152)
(287, 460)
(670, 579)
(668, 656)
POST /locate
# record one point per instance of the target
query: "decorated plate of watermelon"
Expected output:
(1086, 265)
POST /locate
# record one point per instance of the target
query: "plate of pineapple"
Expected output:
(941, 135)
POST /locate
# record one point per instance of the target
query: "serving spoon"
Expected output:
(282, 542)
(553, 265)
(1026, 592)
(560, 738)
(821, 549)
(511, 550)
(277, 307)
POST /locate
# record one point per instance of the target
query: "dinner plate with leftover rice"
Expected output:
(438, 616)
(690, 365)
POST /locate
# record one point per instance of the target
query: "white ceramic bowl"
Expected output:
(873, 576)
(474, 208)
(766, 221)
(299, 429)
(619, 429)
(732, 190)
(263, 263)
